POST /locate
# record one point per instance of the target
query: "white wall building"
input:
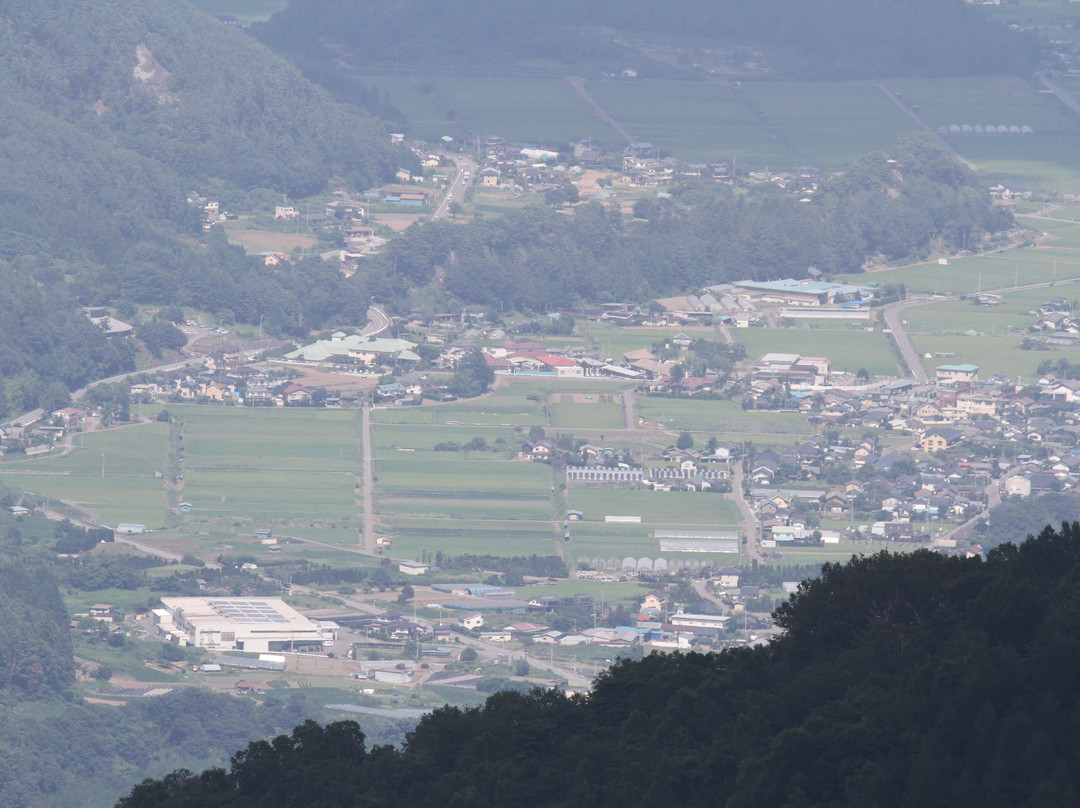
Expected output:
(242, 624)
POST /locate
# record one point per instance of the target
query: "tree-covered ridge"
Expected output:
(892, 206)
(46, 346)
(35, 643)
(88, 754)
(900, 680)
(829, 39)
(175, 86)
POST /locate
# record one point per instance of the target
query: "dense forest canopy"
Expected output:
(541, 259)
(900, 680)
(828, 39)
(171, 84)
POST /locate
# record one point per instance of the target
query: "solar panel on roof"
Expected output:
(249, 611)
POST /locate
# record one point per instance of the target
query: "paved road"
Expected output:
(579, 87)
(703, 591)
(378, 321)
(379, 711)
(629, 418)
(1064, 97)
(894, 320)
(459, 186)
(925, 126)
(753, 530)
(368, 482)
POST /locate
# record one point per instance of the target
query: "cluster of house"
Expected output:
(639, 164)
(39, 437)
(230, 380)
(664, 625)
(1057, 320)
(690, 470)
(988, 417)
(210, 209)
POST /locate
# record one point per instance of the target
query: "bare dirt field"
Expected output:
(674, 303)
(257, 241)
(338, 382)
(397, 221)
(575, 398)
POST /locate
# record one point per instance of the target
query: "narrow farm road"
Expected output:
(753, 532)
(368, 482)
(578, 84)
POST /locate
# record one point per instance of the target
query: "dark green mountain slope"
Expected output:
(901, 680)
(113, 112)
(172, 84)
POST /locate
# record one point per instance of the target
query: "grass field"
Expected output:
(1000, 354)
(412, 535)
(988, 273)
(697, 121)
(816, 120)
(727, 420)
(544, 111)
(615, 341)
(849, 349)
(110, 473)
(957, 316)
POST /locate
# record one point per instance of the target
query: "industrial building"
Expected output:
(241, 624)
(792, 368)
(791, 292)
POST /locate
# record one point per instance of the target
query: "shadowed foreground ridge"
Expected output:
(901, 680)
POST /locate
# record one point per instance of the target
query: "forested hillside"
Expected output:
(113, 113)
(541, 259)
(173, 85)
(35, 641)
(831, 39)
(900, 680)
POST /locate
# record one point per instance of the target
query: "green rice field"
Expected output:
(999, 272)
(816, 120)
(111, 474)
(727, 420)
(289, 468)
(999, 354)
(412, 535)
(849, 348)
(543, 111)
(958, 316)
(697, 121)
(657, 509)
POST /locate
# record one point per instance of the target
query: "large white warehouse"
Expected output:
(262, 625)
